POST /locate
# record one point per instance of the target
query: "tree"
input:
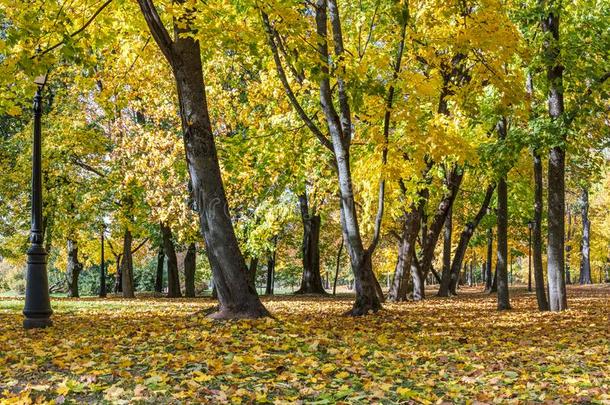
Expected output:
(312, 280)
(173, 278)
(190, 265)
(236, 297)
(556, 171)
(449, 284)
(502, 238)
(585, 247)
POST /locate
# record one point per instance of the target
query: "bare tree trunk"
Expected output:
(502, 239)
(450, 286)
(252, 271)
(173, 277)
(236, 297)
(74, 268)
(556, 171)
(585, 261)
(569, 247)
(543, 304)
(127, 284)
(401, 282)
(446, 272)
(190, 265)
(338, 267)
(418, 277)
(270, 274)
(454, 180)
(159, 275)
(311, 282)
(489, 262)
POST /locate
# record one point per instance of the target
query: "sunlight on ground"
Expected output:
(158, 350)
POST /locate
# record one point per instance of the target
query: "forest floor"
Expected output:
(439, 350)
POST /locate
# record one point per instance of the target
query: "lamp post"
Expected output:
(103, 291)
(37, 309)
(530, 226)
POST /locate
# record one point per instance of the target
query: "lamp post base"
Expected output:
(36, 323)
(37, 309)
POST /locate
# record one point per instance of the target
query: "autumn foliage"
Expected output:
(159, 350)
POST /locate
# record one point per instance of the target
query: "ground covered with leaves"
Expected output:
(166, 351)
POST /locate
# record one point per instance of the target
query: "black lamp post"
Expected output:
(37, 309)
(103, 291)
(530, 226)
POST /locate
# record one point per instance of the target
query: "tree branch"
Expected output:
(75, 33)
(157, 29)
(386, 135)
(139, 246)
(289, 92)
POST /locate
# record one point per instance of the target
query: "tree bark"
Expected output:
(236, 297)
(585, 261)
(190, 265)
(173, 277)
(339, 126)
(311, 282)
(126, 276)
(402, 281)
(569, 247)
(454, 180)
(270, 274)
(419, 278)
(447, 234)
(74, 268)
(556, 171)
(159, 276)
(450, 286)
(338, 267)
(118, 280)
(502, 238)
(252, 271)
(489, 262)
(543, 304)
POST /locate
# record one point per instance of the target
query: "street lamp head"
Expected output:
(41, 80)
(530, 224)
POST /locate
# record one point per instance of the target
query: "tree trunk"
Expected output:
(338, 267)
(103, 291)
(446, 273)
(418, 277)
(252, 271)
(339, 127)
(74, 268)
(311, 282)
(236, 296)
(489, 262)
(494, 284)
(270, 274)
(568, 247)
(118, 280)
(159, 276)
(401, 282)
(454, 180)
(127, 284)
(585, 261)
(450, 286)
(173, 277)
(543, 304)
(502, 241)
(556, 171)
(190, 265)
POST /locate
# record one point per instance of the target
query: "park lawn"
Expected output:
(160, 351)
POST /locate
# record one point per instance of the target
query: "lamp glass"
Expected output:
(41, 80)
